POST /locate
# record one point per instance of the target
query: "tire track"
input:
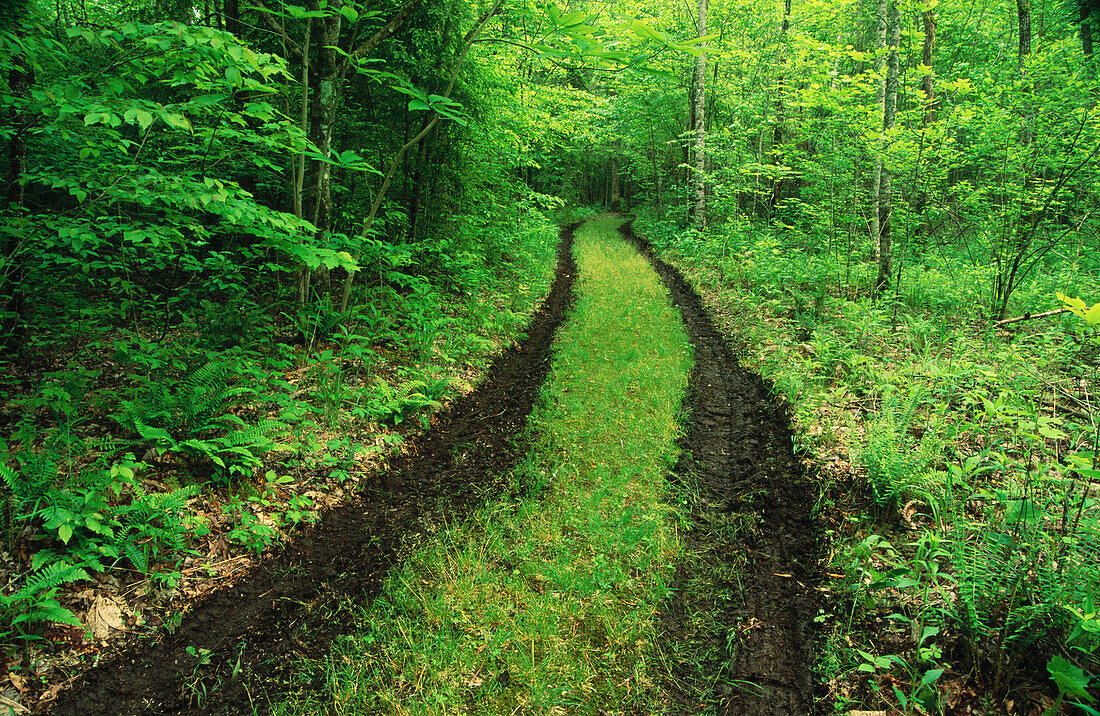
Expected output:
(288, 608)
(738, 458)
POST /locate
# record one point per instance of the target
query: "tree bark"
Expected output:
(12, 296)
(231, 12)
(1023, 12)
(880, 99)
(929, 21)
(325, 101)
(20, 79)
(699, 214)
(1086, 29)
(889, 114)
(921, 204)
(780, 114)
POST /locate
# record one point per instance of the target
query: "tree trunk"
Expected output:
(780, 114)
(889, 113)
(1023, 12)
(699, 214)
(880, 99)
(1086, 28)
(20, 79)
(231, 11)
(12, 296)
(926, 84)
(325, 101)
(921, 203)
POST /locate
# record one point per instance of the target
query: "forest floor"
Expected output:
(739, 465)
(736, 632)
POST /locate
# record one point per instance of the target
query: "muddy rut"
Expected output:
(288, 607)
(737, 459)
(739, 462)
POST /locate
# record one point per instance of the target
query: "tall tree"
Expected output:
(780, 110)
(880, 98)
(699, 214)
(885, 248)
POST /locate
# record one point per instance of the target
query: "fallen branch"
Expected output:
(1029, 316)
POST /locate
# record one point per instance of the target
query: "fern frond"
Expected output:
(49, 577)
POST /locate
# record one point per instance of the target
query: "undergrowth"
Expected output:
(959, 464)
(211, 424)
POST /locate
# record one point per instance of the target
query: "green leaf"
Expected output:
(145, 119)
(1093, 315)
(1069, 678)
(930, 677)
(646, 32)
(65, 533)
(416, 105)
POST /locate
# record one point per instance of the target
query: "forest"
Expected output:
(502, 356)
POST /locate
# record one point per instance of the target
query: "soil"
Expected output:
(235, 650)
(739, 464)
(238, 649)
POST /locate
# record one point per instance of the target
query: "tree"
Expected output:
(699, 213)
(885, 246)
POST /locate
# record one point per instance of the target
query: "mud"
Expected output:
(236, 650)
(739, 466)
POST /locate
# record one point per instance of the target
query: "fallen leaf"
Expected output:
(13, 706)
(104, 616)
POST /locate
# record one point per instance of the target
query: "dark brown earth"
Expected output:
(236, 649)
(752, 540)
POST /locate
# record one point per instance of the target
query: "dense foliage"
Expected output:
(238, 238)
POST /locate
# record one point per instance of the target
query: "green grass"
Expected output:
(546, 605)
(964, 542)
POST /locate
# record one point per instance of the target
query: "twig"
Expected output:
(1029, 316)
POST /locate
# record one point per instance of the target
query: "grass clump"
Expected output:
(546, 605)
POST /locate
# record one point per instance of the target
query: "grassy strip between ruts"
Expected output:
(547, 604)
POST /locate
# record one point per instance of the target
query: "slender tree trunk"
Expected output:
(1023, 12)
(1086, 28)
(12, 296)
(889, 114)
(929, 22)
(780, 112)
(921, 208)
(615, 199)
(880, 99)
(699, 214)
(302, 274)
(20, 79)
(323, 105)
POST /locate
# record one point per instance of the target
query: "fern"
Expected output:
(34, 602)
(897, 462)
(391, 404)
(197, 404)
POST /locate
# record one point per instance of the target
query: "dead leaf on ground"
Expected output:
(104, 616)
(8, 702)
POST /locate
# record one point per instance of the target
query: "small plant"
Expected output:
(898, 462)
(1072, 681)
(34, 602)
(250, 532)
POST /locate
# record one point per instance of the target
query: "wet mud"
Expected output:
(740, 469)
(236, 650)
